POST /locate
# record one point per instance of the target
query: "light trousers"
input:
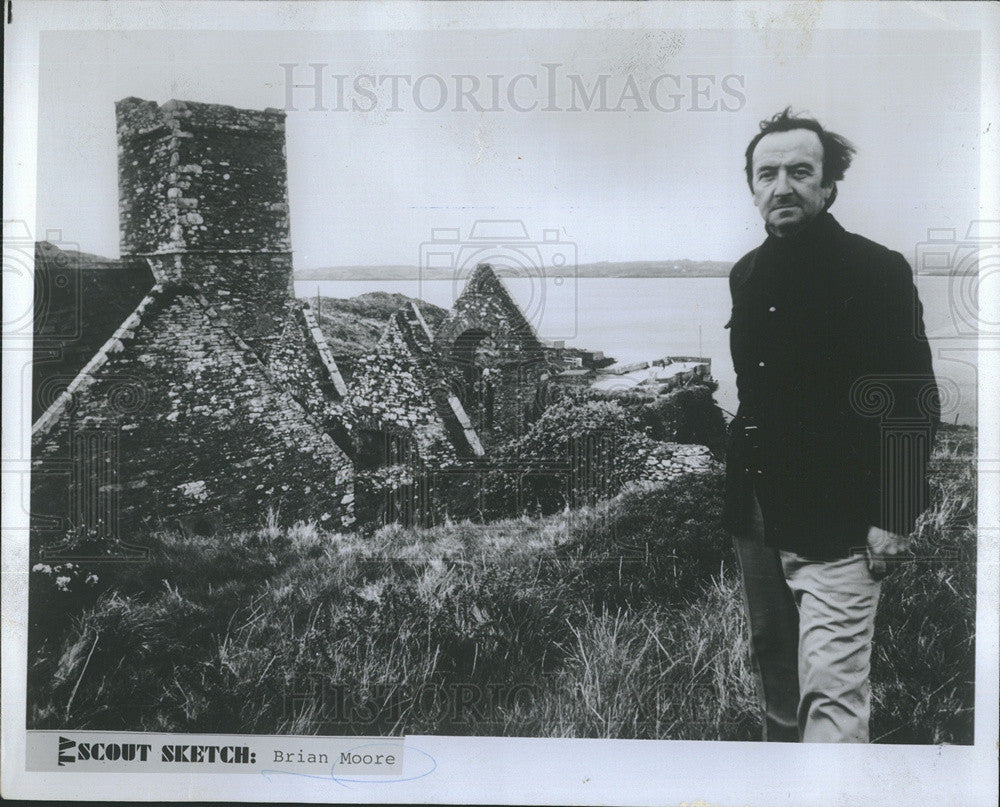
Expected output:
(811, 626)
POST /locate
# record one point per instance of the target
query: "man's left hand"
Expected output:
(885, 549)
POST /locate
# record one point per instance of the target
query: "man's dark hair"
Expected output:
(838, 151)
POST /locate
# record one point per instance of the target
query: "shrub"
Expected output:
(540, 472)
(686, 415)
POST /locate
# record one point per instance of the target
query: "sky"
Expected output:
(655, 172)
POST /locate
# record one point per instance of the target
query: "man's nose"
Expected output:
(781, 186)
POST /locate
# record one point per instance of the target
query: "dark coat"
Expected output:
(838, 401)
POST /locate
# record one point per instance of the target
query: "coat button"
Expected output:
(760, 364)
(772, 309)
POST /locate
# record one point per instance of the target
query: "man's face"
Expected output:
(788, 179)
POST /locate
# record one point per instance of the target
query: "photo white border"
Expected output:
(494, 770)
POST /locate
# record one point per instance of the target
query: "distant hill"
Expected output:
(678, 268)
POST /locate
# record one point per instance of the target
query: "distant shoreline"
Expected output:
(606, 269)
(630, 269)
(633, 269)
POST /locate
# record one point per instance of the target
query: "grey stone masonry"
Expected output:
(200, 426)
(494, 357)
(217, 400)
(198, 176)
(203, 194)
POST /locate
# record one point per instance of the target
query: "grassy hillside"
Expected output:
(622, 620)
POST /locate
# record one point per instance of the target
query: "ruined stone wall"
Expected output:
(663, 461)
(200, 429)
(298, 365)
(485, 305)
(146, 161)
(231, 406)
(392, 388)
(517, 396)
(499, 387)
(250, 290)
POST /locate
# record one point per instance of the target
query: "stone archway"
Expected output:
(475, 355)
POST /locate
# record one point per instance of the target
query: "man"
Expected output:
(828, 452)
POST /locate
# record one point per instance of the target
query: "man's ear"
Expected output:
(831, 194)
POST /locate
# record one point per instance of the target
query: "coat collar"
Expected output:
(816, 237)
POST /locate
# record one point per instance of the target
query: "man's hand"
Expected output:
(884, 548)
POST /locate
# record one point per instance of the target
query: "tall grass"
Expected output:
(619, 620)
(923, 666)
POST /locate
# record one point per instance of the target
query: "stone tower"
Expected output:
(217, 399)
(203, 195)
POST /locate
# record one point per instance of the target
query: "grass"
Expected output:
(923, 666)
(619, 620)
